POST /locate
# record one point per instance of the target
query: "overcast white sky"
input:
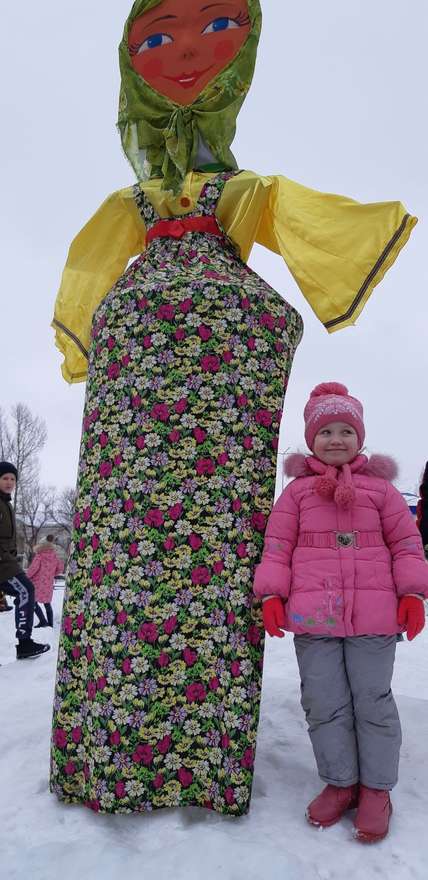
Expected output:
(338, 103)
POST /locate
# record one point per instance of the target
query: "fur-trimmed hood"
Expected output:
(382, 466)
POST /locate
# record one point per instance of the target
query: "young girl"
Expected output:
(42, 571)
(343, 569)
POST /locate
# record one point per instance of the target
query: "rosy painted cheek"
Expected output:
(148, 69)
(225, 50)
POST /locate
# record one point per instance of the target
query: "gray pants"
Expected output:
(350, 710)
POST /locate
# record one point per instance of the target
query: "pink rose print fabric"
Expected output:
(160, 660)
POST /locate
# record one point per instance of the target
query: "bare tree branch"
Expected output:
(21, 444)
(37, 507)
(34, 513)
(63, 510)
(5, 439)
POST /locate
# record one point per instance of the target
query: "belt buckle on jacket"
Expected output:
(346, 539)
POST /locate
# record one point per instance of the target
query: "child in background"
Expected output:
(343, 569)
(42, 571)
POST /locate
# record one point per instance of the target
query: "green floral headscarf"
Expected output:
(161, 138)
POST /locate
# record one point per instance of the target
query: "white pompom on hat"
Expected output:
(331, 402)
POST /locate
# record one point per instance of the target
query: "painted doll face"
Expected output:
(181, 45)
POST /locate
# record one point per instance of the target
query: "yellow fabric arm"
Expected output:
(97, 258)
(337, 249)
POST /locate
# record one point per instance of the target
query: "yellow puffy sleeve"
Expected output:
(97, 258)
(337, 249)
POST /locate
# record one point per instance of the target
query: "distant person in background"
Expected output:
(42, 571)
(13, 581)
(422, 510)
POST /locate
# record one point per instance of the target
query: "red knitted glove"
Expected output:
(274, 616)
(411, 615)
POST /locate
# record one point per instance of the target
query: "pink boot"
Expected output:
(372, 819)
(331, 804)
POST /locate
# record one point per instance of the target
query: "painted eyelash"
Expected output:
(133, 49)
(242, 19)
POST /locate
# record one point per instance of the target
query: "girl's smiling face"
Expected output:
(336, 444)
(181, 45)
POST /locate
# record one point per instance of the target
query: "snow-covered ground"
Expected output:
(40, 839)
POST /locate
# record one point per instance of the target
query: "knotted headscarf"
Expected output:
(161, 138)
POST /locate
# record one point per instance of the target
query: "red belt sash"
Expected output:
(178, 228)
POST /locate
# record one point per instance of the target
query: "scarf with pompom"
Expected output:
(336, 483)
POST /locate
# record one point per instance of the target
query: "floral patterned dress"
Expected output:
(161, 651)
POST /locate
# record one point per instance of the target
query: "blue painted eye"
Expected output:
(154, 42)
(220, 24)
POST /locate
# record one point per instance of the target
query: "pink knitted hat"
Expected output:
(331, 402)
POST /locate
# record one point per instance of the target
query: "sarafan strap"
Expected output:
(207, 202)
(145, 207)
(212, 192)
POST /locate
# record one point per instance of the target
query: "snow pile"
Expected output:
(44, 840)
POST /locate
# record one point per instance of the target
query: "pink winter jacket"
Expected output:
(341, 569)
(42, 571)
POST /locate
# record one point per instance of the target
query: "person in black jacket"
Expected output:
(13, 581)
(422, 510)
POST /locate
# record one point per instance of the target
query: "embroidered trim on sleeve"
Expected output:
(378, 265)
(72, 336)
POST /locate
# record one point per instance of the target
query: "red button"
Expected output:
(185, 202)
